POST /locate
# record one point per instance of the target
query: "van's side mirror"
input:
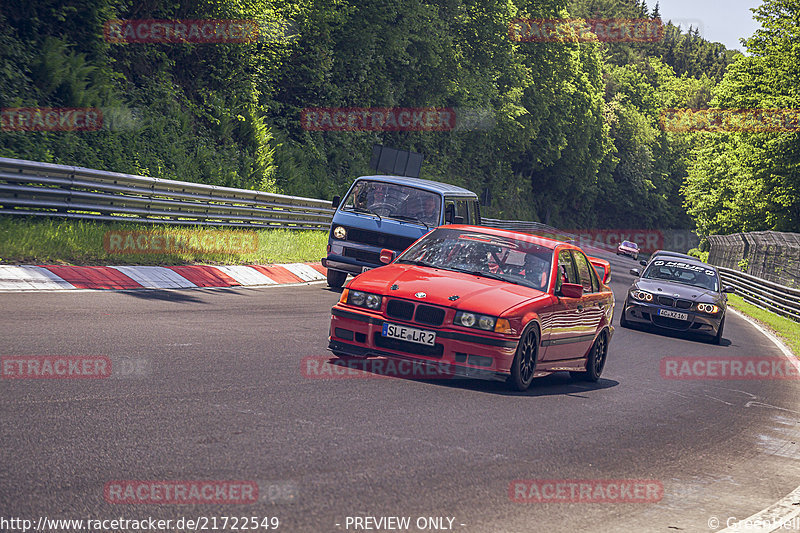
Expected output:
(336, 201)
(635, 272)
(729, 288)
(450, 214)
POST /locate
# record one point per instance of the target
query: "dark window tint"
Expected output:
(586, 272)
(566, 269)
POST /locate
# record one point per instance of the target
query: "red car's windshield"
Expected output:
(485, 255)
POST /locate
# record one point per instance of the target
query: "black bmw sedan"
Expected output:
(679, 294)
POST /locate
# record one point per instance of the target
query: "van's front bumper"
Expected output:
(342, 266)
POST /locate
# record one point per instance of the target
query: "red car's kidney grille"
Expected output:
(400, 309)
(429, 315)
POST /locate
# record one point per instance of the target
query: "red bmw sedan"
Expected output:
(485, 302)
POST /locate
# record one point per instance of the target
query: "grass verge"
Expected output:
(788, 330)
(78, 242)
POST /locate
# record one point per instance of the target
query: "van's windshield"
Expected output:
(394, 201)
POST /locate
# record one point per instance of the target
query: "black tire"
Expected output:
(717, 339)
(596, 360)
(524, 364)
(336, 278)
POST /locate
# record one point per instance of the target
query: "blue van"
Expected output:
(390, 212)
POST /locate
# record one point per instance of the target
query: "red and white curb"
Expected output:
(54, 277)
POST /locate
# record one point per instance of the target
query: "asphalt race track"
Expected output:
(221, 396)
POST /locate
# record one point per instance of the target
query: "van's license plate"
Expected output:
(673, 314)
(420, 336)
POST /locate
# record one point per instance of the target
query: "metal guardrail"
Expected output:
(43, 189)
(765, 294)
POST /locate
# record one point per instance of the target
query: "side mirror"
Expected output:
(458, 220)
(336, 201)
(571, 290)
(643, 262)
(635, 272)
(449, 214)
(387, 256)
(728, 288)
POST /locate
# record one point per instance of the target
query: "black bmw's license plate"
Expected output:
(673, 314)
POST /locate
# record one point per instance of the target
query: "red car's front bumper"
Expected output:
(358, 333)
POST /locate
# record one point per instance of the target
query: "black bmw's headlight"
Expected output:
(642, 296)
(711, 309)
(364, 299)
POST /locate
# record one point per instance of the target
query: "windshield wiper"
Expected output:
(410, 219)
(365, 210)
(483, 274)
(417, 263)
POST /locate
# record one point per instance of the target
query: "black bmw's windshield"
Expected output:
(680, 272)
(510, 260)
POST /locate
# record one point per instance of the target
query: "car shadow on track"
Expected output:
(558, 384)
(674, 334)
(172, 295)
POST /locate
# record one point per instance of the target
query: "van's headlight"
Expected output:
(473, 320)
(364, 299)
(642, 296)
(711, 309)
(340, 233)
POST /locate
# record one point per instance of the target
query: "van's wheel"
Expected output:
(336, 278)
(524, 363)
(596, 360)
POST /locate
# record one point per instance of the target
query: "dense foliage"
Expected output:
(573, 136)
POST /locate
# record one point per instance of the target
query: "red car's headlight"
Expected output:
(363, 299)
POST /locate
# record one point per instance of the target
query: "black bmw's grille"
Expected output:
(672, 302)
(375, 238)
(400, 309)
(666, 300)
(408, 347)
(429, 315)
